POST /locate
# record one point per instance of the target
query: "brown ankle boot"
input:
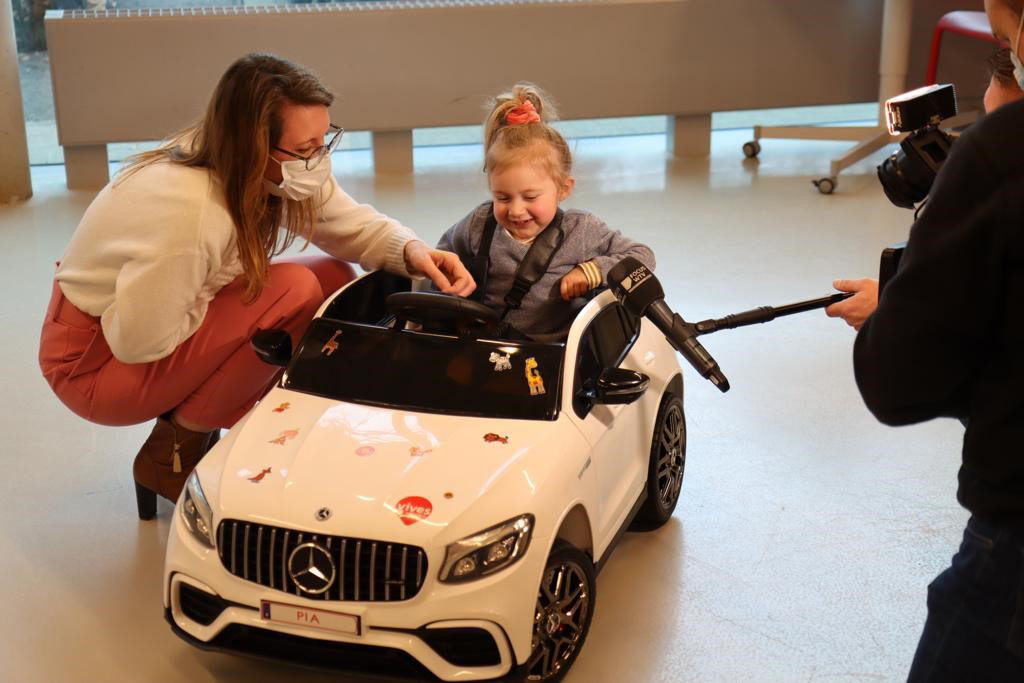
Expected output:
(164, 462)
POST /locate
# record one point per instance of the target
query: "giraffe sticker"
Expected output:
(332, 344)
(533, 377)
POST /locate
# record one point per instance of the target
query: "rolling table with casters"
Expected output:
(892, 71)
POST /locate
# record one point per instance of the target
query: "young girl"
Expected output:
(529, 171)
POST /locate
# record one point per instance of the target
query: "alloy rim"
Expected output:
(671, 456)
(563, 603)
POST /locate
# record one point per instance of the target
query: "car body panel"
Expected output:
(361, 461)
(425, 479)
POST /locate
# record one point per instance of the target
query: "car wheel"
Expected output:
(565, 605)
(667, 464)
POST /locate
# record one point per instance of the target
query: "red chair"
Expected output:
(970, 24)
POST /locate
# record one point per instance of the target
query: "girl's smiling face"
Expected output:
(526, 198)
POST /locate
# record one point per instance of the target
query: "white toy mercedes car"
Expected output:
(428, 501)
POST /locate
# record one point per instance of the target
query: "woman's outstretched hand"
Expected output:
(444, 268)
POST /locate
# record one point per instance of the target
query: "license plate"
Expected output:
(311, 618)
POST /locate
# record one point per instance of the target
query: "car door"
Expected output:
(611, 430)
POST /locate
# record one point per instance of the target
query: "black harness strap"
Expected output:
(535, 264)
(478, 264)
(531, 269)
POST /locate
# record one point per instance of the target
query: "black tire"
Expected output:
(667, 465)
(565, 606)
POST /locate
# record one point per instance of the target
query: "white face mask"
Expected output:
(297, 182)
(1018, 68)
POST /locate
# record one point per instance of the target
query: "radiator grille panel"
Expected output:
(365, 570)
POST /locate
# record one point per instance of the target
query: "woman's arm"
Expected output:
(355, 232)
(157, 305)
(917, 355)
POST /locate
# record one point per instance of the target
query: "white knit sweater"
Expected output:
(152, 250)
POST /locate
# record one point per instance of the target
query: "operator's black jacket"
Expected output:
(948, 336)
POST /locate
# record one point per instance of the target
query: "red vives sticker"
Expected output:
(413, 508)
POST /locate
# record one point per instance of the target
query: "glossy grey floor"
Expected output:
(806, 532)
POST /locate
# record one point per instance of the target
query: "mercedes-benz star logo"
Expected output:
(311, 568)
(323, 514)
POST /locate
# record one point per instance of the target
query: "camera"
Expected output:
(908, 174)
(889, 262)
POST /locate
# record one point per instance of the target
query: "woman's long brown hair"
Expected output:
(233, 141)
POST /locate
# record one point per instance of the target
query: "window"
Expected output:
(604, 344)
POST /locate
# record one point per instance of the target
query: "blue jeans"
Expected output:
(975, 626)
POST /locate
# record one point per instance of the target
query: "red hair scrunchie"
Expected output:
(522, 114)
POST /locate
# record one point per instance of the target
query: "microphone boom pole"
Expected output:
(766, 313)
(639, 291)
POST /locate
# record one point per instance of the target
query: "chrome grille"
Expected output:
(366, 570)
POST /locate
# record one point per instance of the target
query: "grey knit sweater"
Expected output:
(543, 315)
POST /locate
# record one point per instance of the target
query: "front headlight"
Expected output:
(196, 513)
(488, 551)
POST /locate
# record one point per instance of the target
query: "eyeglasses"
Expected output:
(320, 153)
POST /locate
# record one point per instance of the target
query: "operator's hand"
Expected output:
(574, 284)
(443, 267)
(858, 307)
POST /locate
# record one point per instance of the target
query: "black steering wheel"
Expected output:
(440, 309)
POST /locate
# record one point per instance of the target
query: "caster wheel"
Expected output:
(751, 149)
(826, 185)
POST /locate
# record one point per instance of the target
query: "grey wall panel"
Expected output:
(128, 77)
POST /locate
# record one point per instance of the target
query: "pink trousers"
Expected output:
(212, 378)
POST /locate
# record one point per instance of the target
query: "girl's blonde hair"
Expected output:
(233, 141)
(506, 143)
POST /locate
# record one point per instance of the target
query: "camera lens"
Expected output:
(905, 180)
(907, 175)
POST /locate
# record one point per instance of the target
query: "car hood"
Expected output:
(326, 466)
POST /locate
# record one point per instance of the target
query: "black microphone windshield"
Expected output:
(634, 285)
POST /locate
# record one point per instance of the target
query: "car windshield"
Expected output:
(411, 370)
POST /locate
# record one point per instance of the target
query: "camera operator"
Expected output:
(1002, 86)
(1002, 89)
(947, 339)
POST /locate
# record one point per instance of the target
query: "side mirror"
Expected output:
(618, 386)
(274, 347)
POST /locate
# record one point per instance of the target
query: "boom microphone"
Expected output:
(636, 288)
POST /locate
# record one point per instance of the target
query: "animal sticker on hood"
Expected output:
(259, 477)
(285, 436)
